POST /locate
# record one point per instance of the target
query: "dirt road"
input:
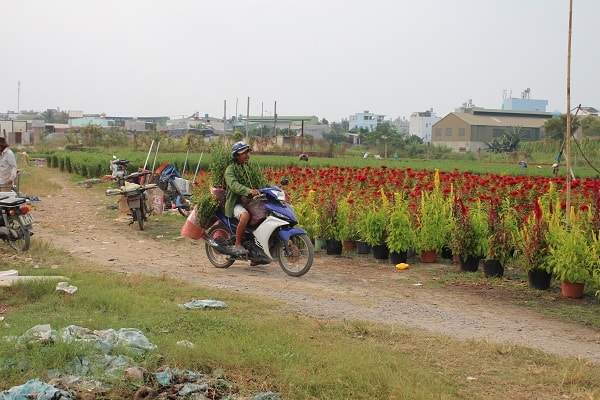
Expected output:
(340, 288)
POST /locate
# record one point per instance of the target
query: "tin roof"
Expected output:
(504, 118)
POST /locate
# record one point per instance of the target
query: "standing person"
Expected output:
(240, 152)
(8, 166)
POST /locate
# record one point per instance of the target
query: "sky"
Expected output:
(327, 58)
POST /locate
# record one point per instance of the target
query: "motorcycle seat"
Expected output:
(12, 201)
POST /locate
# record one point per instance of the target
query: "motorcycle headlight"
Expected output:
(279, 194)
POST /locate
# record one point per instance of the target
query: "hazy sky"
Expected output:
(329, 58)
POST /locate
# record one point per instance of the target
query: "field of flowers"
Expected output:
(325, 188)
(317, 193)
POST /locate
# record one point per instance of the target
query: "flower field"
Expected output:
(323, 190)
(330, 185)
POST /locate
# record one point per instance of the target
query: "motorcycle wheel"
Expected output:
(21, 244)
(299, 261)
(215, 257)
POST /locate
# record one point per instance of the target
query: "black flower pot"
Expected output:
(333, 247)
(446, 253)
(380, 252)
(362, 247)
(493, 269)
(539, 279)
(398, 257)
(471, 264)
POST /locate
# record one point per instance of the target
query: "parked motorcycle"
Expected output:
(16, 221)
(275, 238)
(136, 196)
(177, 191)
(118, 170)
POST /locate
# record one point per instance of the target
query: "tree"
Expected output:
(590, 125)
(508, 142)
(55, 116)
(335, 138)
(556, 127)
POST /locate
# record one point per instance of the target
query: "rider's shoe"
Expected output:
(238, 251)
(260, 261)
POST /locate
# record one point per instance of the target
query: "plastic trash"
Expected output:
(35, 389)
(195, 304)
(65, 287)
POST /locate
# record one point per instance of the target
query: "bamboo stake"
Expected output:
(148, 156)
(568, 133)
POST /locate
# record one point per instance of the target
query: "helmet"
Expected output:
(239, 147)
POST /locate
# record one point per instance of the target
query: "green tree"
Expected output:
(334, 137)
(590, 125)
(509, 142)
(55, 116)
(556, 127)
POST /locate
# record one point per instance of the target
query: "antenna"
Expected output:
(18, 97)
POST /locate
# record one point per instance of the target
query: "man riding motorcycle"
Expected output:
(234, 207)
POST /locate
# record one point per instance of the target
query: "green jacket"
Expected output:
(235, 190)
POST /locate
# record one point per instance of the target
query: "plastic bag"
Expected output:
(191, 228)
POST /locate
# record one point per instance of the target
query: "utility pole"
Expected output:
(275, 119)
(247, 117)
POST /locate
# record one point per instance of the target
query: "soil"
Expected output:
(353, 287)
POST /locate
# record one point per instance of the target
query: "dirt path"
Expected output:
(340, 288)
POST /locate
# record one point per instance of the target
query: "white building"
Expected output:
(421, 124)
(365, 120)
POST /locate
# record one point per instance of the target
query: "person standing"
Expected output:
(235, 191)
(8, 166)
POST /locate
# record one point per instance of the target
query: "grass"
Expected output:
(259, 347)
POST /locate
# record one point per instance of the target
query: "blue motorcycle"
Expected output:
(274, 236)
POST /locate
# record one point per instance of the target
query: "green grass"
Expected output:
(94, 163)
(259, 346)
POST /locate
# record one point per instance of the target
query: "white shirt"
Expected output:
(8, 166)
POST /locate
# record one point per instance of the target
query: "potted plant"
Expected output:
(569, 253)
(502, 223)
(401, 233)
(376, 227)
(432, 222)
(206, 204)
(308, 216)
(531, 245)
(469, 234)
(328, 212)
(347, 228)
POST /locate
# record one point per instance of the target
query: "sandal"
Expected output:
(238, 251)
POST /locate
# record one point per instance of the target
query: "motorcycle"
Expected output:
(275, 238)
(176, 190)
(135, 194)
(16, 221)
(119, 170)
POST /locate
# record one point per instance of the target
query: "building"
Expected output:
(402, 126)
(473, 129)
(421, 124)
(524, 103)
(365, 120)
(17, 132)
(82, 122)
